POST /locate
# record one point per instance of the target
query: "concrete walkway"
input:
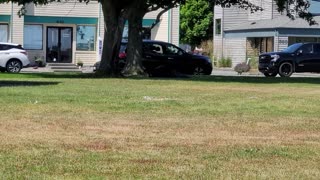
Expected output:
(85, 69)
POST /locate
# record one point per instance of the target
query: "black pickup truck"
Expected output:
(299, 57)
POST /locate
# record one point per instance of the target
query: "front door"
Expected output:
(59, 44)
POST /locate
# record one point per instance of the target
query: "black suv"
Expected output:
(161, 58)
(299, 57)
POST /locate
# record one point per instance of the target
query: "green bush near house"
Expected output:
(40, 62)
(80, 63)
(225, 62)
(253, 62)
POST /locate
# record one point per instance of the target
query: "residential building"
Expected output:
(70, 31)
(240, 34)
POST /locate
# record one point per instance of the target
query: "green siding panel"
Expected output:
(148, 22)
(145, 22)
(5, 18)
(60, 20)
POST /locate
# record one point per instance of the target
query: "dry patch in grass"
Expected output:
(130, 133)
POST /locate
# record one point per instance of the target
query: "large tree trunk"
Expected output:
(134, 48)
(114, 24)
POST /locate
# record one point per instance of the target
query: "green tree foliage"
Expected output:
(196, 21)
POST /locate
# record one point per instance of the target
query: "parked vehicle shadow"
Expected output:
(26, 83)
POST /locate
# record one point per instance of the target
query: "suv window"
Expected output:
(153, 48)
(316, 48)
(307, 49)
(172, 50)
(5, 47)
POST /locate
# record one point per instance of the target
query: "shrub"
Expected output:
(242, 67)
(80, 63)
(225, 62)
(253, 62)
(215, 61)
(39, 61)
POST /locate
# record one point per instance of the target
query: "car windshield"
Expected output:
(292, 48)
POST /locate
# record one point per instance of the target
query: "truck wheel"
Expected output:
(285, 69)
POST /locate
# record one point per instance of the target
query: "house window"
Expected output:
(146, 33)
(218, 26)
(32, 38)
(86, 38)
(4, 32)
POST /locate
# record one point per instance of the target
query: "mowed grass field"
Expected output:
(68, 126)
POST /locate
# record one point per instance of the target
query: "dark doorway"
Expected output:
(59, 44)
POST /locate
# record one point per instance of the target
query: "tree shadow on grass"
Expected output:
(26, 83)
(211, 78)
(243, 79)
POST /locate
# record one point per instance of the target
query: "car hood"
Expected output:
(273, 53)
(197, 56)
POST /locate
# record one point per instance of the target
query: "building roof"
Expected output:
(279, 22)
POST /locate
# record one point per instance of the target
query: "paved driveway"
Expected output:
(231, 72)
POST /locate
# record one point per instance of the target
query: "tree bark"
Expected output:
(134, 48)
(114, 24)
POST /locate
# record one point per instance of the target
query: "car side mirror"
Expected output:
(299, 52)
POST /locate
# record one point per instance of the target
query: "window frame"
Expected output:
(8, 33)
(166, 51)
(94, 40)
(42, 36)
(217, 27)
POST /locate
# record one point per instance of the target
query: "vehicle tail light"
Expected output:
(122, 55)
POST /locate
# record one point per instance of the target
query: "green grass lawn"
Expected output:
(69, 126)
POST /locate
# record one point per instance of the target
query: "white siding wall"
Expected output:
(233, 16)
(282, 42)
(152, 14)
(5, 8)
(275, 12)
(235, 48)
(276, 44)
(18, 26)
(88, 58)
(217, 46)
(160, 32)
(168, 29)
(265, 14)
(68, 9)
(217, 40)
(175, 26)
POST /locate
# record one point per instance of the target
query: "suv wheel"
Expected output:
(285, 69)
(274, 74)
(198, 71)
(14, 66)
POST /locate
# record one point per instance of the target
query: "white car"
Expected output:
(12, 57)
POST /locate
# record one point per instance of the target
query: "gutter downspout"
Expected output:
(11, 24)
(169, 26)
(222, 33)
